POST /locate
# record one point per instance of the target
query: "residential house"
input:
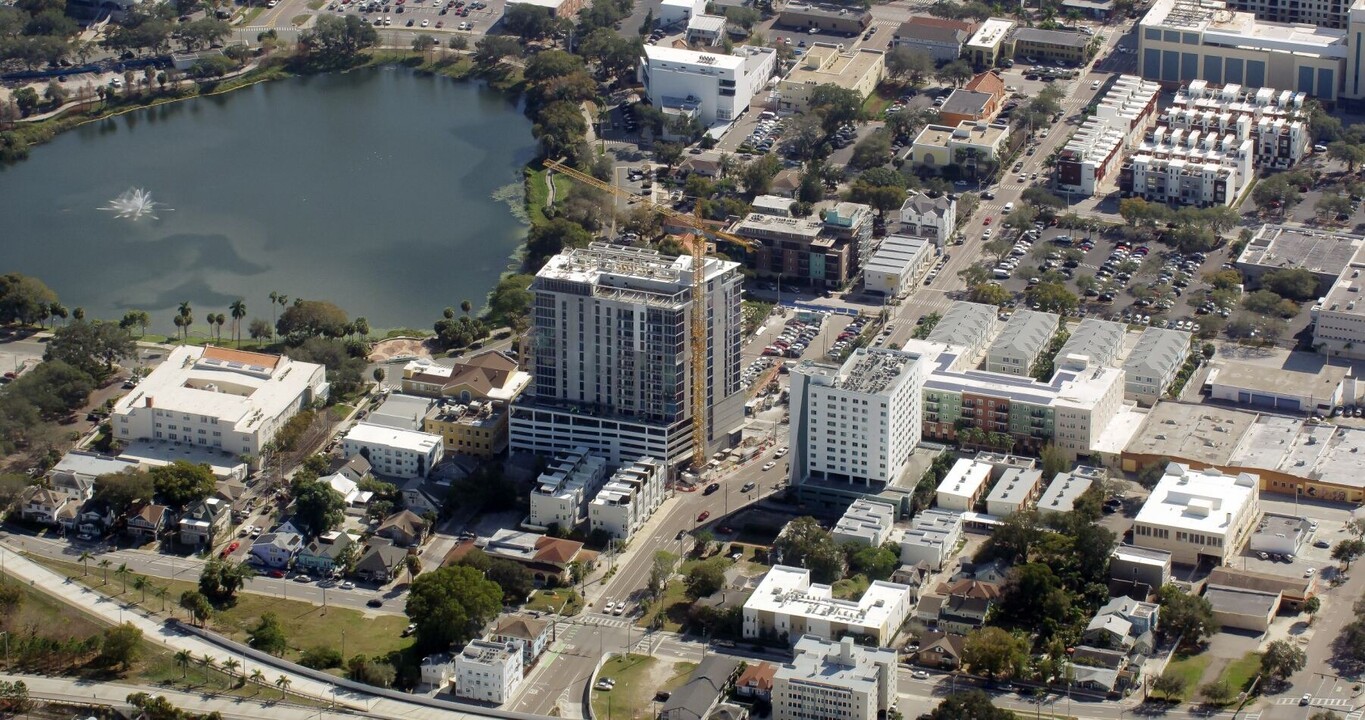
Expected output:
(421, 497)
(1107, 671)
(995, 572)
(940, 650)
(202, 521)
(530, 632)
(356, 499)
(275, 550)
(356, 468)
(94, 518)
(1123, 623)
(966, 604)
(756, 682)
(380, 562)
(75, 473)
(546, 557)
(702, 691)
(148, 522)
(322, 556)
(47, 506)
(405, 528)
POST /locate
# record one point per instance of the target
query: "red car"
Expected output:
(277, 573)
(988, 221)
(704, 514)
(230, 548)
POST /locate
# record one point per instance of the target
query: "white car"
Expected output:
(1095, 85)
(348, 585)
(920, 675)
(1309, 572)
(619, 608)
(781, 451)
(986, 233)
(769, 465)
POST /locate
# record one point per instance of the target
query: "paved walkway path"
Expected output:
(153, 629)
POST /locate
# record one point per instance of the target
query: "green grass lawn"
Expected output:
(537, 192)
(1190, 668)
(1238, 673)
(675, 603)
(299, 20)
(637, 681)
(551, 600)
(48, 617)
(305, 625)
(879, 101)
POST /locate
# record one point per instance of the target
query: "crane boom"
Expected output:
(696, 245)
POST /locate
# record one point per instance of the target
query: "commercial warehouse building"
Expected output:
(1199, 515)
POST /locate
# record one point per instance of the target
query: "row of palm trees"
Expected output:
(184, 318)
(185, 658)
(129, 578)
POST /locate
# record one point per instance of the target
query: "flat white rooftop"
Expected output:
(380, 435)
(965, 478)
(788, 590)
(663, 53)
(1197, 501)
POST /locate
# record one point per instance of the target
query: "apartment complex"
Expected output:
(866, 523)
(611, 343)
(1094, 152)
(859, 69)
(932, 538)
(824, 251)
(1071, 409)
(1323, 13)
(1061, 494)
(561, 493)
(1188, 168)
(967, 325)
(1015, 491)
(629, 498)
(933, 218)
(1154, 363)
(488, 671)
(710, 87)
(1199, 515)
(1276, 121)
(787, 605)
(1184, 40)
(942, 38)
(394, 452)
(1099, 340)
(964, 484)
(856, 423)
(1025, 336)
(898, 264)
(835, 680)
(231, 401)
(478, 428)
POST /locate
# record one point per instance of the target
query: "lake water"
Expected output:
(389, 193)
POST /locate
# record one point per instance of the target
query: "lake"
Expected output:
(390, 193)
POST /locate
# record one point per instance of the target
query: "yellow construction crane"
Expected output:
(697, 247)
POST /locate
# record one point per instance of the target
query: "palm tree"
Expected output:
(230, 666)
(84, 559)
(238, 310)
(362, 328)
(187, 313)
(122, 573)
(78, 314)
(179, 325)
(298, 302)
(466, 306)
(162, 592)
(283, 682)
(258, 677)
(220, 319)
(448, 313)
(140, 583)
(413, 565)
(58, 310)
(104, 564)
(209, 664)
(183, 658)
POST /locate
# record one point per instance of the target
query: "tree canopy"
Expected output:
(121, 490)
(92, 347)
(24, 299)
(806, 544)
(450, 605)
(182, 482)
(335, 41)
(317, 507)
(312, 318)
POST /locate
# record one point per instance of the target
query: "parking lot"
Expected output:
(451, 15)
(1144, 284)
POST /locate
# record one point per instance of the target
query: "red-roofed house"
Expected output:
(757, 681)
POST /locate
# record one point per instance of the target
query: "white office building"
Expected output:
(1323, 13)
(394, 452)
(856, 423)
(711, 87)
(866, 523)
(932, 538)
(561, 493)
(214, 398)
(788, 605)
(629, 498)
(611, 344)
(898, 264)
(1154, 363)
(1199, 515)
(488, 671)
(835, 680)
(1025, 336)
(1340, 327)
(1184, 40)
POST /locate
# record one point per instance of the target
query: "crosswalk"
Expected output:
(1322, 702)
(605, 621)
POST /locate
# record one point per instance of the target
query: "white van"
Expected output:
(1009, 208)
